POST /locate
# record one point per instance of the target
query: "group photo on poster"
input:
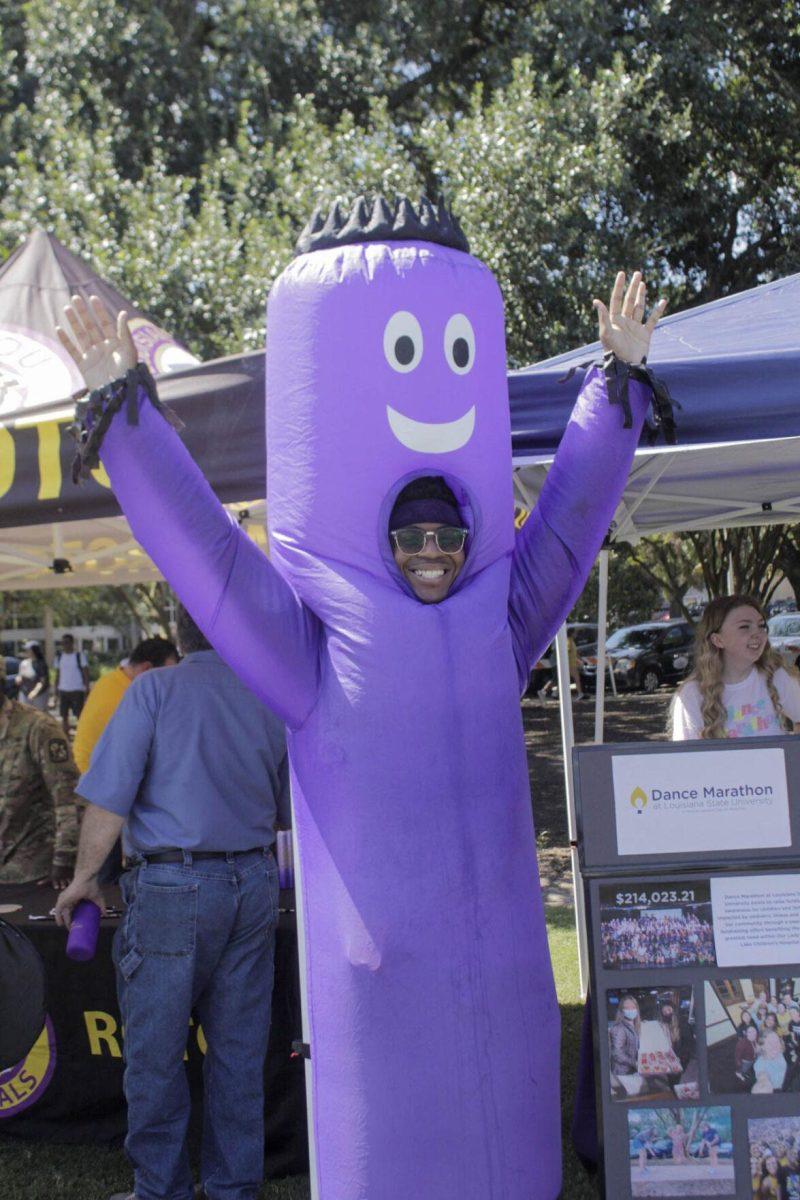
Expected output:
(668, 924)
(775, 1157)
(651, 1044)
(753, 1035)
(681, 1152)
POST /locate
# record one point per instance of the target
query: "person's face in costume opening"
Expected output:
(431, 573)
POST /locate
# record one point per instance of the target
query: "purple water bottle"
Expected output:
(82, 940)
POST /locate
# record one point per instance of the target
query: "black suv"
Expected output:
(645, 656)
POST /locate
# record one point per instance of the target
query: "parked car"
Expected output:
(10, 684)
(784, 635)
(647, 655)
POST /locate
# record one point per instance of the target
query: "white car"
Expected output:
(784, 635)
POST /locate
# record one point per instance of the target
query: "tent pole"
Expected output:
(602, 629)
(731, 584)
(567, 742)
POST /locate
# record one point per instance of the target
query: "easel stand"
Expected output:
(690, 857)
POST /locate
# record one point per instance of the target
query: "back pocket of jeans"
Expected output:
(166, 918)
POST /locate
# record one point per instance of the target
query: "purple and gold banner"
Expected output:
(221, 404)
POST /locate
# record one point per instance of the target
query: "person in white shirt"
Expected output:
(740, 686)
(72, 679)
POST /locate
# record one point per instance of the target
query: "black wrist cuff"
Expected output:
(661, 418)
(94, 415)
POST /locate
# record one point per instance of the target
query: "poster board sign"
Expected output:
(690, 855)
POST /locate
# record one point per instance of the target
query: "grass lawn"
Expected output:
(48, 1172)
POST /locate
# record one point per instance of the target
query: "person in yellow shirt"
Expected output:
(103, 699)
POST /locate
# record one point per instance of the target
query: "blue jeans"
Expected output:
(197, 935)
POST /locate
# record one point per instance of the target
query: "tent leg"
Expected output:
(602, 631)
(567, 742)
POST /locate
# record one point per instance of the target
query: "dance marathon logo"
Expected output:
(22, 1085)
(155, 347)
(33, 370)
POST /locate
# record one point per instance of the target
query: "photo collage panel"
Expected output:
(677, 1049)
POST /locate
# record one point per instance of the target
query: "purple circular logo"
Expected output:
(23, 1084)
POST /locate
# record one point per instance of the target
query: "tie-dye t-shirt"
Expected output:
(750, 712)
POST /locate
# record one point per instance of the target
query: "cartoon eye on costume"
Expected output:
(402, 342)
(459, 344)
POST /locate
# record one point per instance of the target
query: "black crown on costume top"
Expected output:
(379, 220)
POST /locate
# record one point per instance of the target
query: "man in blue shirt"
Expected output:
(194, 767)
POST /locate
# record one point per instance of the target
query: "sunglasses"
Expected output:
(449, 539)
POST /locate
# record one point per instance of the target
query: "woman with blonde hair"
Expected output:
(740, 686)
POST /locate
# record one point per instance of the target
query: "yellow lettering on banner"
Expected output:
(49, 433)
(99, 476)
(8, 461)
(101, 1028)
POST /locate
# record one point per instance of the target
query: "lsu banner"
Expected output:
(221, 405)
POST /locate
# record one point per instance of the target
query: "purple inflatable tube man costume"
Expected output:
(433, 1022)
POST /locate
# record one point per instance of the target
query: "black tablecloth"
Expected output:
(81, 1049)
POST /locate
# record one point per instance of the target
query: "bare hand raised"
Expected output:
(101, 349)
(623, 329)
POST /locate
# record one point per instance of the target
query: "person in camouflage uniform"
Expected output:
(38, 812)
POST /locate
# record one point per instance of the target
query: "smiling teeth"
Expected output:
(429, 574)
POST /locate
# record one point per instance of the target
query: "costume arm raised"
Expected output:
(247, 611)
(558, 544)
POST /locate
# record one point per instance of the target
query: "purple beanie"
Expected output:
(427, 498)
(416, 512)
